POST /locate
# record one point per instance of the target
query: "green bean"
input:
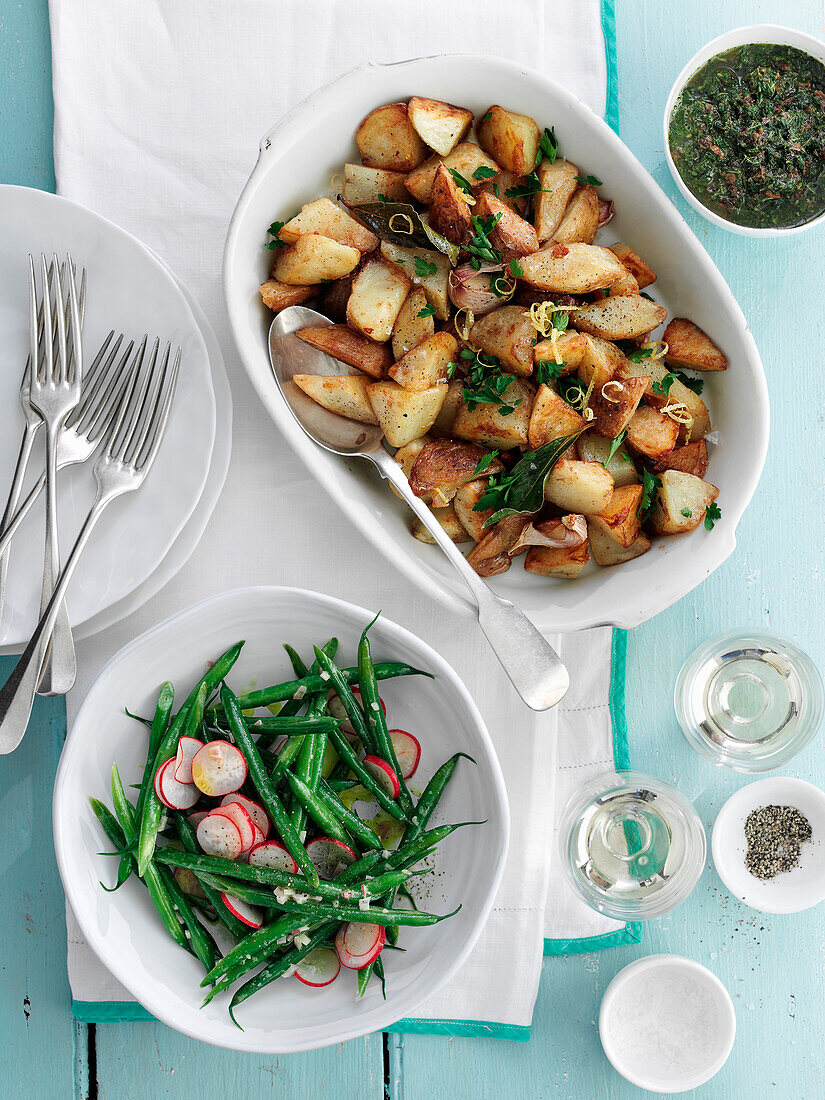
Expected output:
(350, 704)
(315, 911)
(298, 666)
(186, 832)
(266, 899)
(269, 796)
(378, 967)
(346, 752)
(200, 941)
(323, 817)
(160, 723)
(115, 834)
(386, 670)
(276, 969)
(364, 976)
(291, 726)
(283, 759)
(254, 948)
(153, 808)
(338, 785)
(293, 706)
(433, 791)
(357, 828)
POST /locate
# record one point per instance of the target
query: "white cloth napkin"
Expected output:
(158, 110)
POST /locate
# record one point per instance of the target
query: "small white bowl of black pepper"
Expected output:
(768, 845)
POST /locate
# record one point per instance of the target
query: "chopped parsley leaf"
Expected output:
(463, 183)
(516, 269)
(427, 311)
(650, 485)
(614, 446)
(639, 354)
(590, 179)
(546, 369)
(273, 231)
(712, 513)
(423, 267)
(686, 512)
(548, 146)
(484, 462)
(484, 173)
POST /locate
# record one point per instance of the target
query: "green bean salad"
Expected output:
(245, 830)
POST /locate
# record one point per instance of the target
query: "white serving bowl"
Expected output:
(741, 36)
(297, 159)
(123, 927)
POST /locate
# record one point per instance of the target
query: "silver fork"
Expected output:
(133, 437)
(54, 392)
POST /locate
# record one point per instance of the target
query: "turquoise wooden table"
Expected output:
(774, 967)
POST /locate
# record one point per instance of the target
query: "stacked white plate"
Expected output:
(142, 540)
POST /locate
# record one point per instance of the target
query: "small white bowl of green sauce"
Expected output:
(744, 131)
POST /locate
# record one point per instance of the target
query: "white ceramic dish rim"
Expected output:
(551, 619)
(651, 962)
(107, 952)
(772, 33)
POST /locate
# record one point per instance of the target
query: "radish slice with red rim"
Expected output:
(384, 774)
(320, 967)
(187, 749)
(218, 768)
(329, 856)
(174, 795)
(197, 817)
(357, 945)
(246, 826)
(218, 836)
(249, 914)
(273, 855)
(253, 808)
(407, 751)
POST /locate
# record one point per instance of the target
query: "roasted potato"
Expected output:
(581, 487)
(345, 394)
(435, 283)
(595, 448)
(425, 365)
(405, 456)
(674, 394)
(499, 185)
(690, 347)
(448, 519)
(444, 465)
(314, 259)
(491, 557)
(643, 274)
(571, 268)
(334, 298)
(512, 236)
(507, 333)
(614, 403)
(404, 415)
(443, 426)
(681, 502)
(278, 296)
(387, 139)
(581, 218)
(512, 140)
(625, 285)
(558, 183)
(342, 343)
(619, 318)
(410, 326)
(690, 459)
(378, 293)
(599, 361)
(449, 209)
(488, 426)
(606, 550)
(551, 418)
(439, 125)
(465, 159)
(465, 502)
(326, 218)
(564, 562)
(566, 351)
(620, 519)
(651, 434)
(362, 185)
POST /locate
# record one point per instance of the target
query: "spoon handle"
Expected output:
(532, 664)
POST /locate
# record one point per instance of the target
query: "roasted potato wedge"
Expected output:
(362, 185)
(404, 415)
(439, 125)
(435, 284)
(620, 519)
(387, 139)
(278, 296)
(491, 557)
(326, 218)
(622, 317)
(499, 185)
(651, 434)
(449, 209)
(488, 426)
(334, 298)
(571, 268)
(410, 326)
(581, 487)
(425, 365)
(690, 347)
(444, 465)
(378, 293)
(581, 218)
(606, 550)
(563, 562)
(448, 519)
(465, 502)
(315, 259)
(614, 404)
(405, 456)
(558, 183)
(507, 333)
(512, 140)
(595, 448)
(677, 395)
(342, 343)
(599, 361)
(681, 502)
(512, 236)
(345, 394)
(566, 351)
(551, 418)
(625, 285)
(643, 274)
(690, 459)
(465, 159)
(443, 425)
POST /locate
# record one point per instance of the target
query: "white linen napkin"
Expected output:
(158, 110)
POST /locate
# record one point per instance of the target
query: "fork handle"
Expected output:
(60, 669)
(26, 444)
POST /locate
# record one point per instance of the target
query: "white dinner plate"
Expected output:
(124, 929)
(129, 291)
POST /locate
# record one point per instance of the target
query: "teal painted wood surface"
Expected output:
(773, 966)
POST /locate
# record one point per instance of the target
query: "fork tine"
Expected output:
(93, 378)
(34, 319)
(114, 434)
(74, 364)
(60, 318)
(154, 437)
(118, 380)
(48, 328)
(136, 421)
(150, 405)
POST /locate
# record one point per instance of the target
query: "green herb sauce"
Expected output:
(747, 135)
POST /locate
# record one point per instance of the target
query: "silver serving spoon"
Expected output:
(529, 660)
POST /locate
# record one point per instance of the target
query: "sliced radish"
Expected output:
(329, 856)
(188, 882)
(187, 749)
(273, 855)
(320, 967)
(218, 836)
(250, 916)
(246, 826)
(218, 768)
(174, 795)
(358, 945)
(383, 774)
(407, 751)
(253, 808)
(197, 817)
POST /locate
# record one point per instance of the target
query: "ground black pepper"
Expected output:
(775, 835)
